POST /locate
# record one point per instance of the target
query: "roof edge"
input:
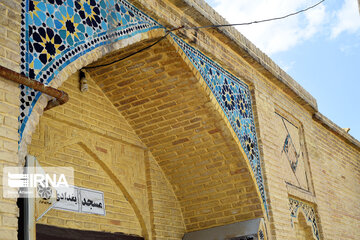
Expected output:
(328, 124)
(204, 14)
(268, 67)
(276, 75)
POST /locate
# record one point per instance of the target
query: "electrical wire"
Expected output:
(208, 26)
(259, 21)
(127, 56)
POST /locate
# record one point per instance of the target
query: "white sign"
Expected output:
(68, 199)
(81, 200)
(92, 201)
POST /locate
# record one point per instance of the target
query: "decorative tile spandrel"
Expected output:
(234, 97)
(55, 33)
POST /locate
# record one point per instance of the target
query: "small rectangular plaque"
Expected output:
(92, 201)
(68, 199)
(81, 200)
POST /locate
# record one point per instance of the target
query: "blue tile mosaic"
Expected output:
(234, 98)
(295, 205)
(57, 32)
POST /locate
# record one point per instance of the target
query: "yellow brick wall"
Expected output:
(333, 171)
(88, 134)
(9, 111)
(10, 12)
(165, 210)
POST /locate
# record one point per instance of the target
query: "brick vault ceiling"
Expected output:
(171, 113)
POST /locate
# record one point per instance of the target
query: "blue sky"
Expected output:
(320, 49)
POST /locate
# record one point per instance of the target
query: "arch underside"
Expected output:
(162, 100)
(195, 117)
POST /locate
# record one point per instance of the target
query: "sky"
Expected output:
(319, 48)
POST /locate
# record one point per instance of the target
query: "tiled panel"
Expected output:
(310, 215)
(292, 152)
(57, 32)
(235, 100)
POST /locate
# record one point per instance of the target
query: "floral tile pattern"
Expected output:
(57, 32)
(235, 100)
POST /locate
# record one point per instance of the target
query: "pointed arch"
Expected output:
(302, 227)
(296, 206)
(88, 147)
(113, 26)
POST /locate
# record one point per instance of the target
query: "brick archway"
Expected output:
(174, 113)
(208, 91)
